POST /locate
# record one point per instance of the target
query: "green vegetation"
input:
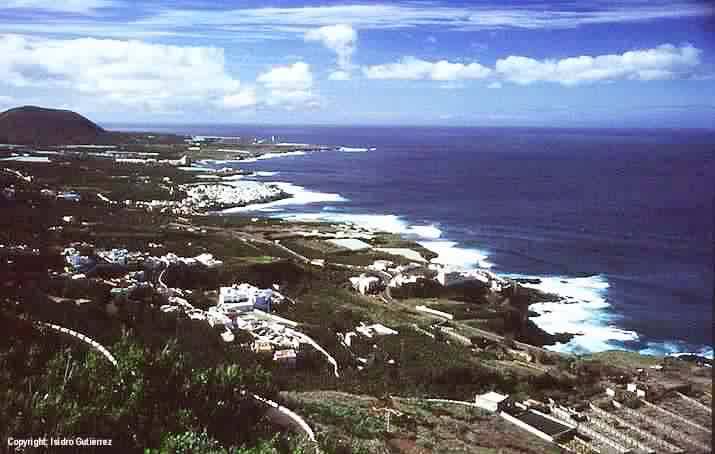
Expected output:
(48, 386)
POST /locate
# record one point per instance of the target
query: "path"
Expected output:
(86, 339)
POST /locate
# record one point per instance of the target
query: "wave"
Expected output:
(353, 149)
(581, 309)
(299, 196)
(389, 223)
(676, 348)
(197, 169)
(428, 236)
(264, 174)
(43, 159)
(208, 162)
(449, 253)
(273, 156)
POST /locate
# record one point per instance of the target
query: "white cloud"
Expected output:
(411, 15)
(259, 24)
(243, 98)
(339, 75)
(126, 74)
(494, 85)
(289, 86)
(341, 39)
(431, 39)
(663, 62)
(64, 6)
(411, 68)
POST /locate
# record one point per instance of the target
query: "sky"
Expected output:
(580, 63)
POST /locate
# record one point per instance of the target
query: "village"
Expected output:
(400, 292)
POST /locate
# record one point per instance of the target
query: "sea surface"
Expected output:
(618, 222)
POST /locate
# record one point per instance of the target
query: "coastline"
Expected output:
(581, 308)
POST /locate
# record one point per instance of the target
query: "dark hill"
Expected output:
(30, 125)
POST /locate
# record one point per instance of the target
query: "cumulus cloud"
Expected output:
(495, 84)
(411, 68)
(663, 62)
(243, 98)
(289, 85)
(133, 74)
(341, 39)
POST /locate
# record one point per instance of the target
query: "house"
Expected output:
(208, 260)
(381, 265)
(404, 279)
(77, 261)
(318, 262)
(227, 336)
(115, 256)
(492, 402)
(365, 284)
(286, 357)
(520, 355)
(635, 389)
(447, 278)
(376, 329)
(262, 346)
(245, 297)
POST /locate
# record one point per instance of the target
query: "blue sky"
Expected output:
(632, 63)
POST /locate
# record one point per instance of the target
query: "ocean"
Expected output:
(618, 222)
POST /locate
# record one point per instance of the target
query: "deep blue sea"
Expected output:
(619, 222)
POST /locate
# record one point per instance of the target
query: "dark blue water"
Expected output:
(631, 209)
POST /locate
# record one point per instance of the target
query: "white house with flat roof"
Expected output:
(365, 284)
(244, 297)
(490, 401)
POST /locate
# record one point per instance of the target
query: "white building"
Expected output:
(381, 265)
(491, 401)
(376, 329)
(208, 260)
(245, 297)
(365, 284)
(286, 356)
(75, 260)
(451, 277)
(403, 279)
(116, 256)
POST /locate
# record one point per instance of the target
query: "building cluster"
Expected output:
(205, 259)
(447, 276)
(395, 276)
(245, 297)
(366, 331)
(247, 308)
(626, 420)
(76, 261)
(203, 197)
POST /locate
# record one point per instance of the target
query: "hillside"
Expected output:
(31, 125)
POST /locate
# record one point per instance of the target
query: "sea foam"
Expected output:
(299, 196)
(581, 309)
(449, 253)
(676, 348)
(389, 223)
